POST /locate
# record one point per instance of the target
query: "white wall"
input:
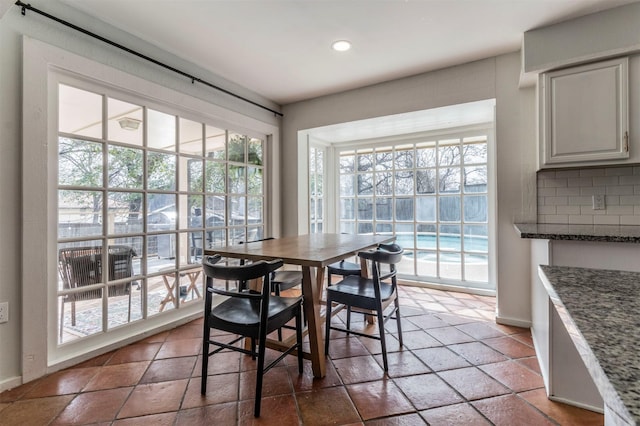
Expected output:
(516, 151)
(12, 27)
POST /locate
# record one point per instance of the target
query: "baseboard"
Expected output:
(513, 322)
(11, 383)
(576, 404)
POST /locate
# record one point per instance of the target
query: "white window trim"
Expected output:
(40, 354)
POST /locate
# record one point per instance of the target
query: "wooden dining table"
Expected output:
(313, 253)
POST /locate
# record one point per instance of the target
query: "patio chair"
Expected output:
(247, 314)
(368, 295)
(82, 266)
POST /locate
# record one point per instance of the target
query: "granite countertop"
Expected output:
(607, 233)
(600, 309)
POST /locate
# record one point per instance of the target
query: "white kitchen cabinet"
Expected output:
(584, 115)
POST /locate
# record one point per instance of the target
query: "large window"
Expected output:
(432, 195)
(142, 191)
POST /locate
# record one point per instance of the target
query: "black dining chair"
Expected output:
(343, 268)
(280, 280)
(247, 314)
(368, 295)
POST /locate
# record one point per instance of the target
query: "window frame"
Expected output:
(42, 65)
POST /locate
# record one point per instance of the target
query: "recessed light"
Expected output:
(341, 45)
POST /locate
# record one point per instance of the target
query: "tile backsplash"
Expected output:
(566, 196)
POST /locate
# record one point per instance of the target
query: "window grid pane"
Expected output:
(432, 196)
(146, 199)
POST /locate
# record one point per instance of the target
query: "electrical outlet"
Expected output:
(4, 312)
(598, 202)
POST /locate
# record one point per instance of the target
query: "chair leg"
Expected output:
(260, 373)
(205, 359)
(299, 338)
(383, 342)
(327, 322)
(129, 311)
(397, 303)
(348, 318)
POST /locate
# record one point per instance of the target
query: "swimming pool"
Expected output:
(446, 242)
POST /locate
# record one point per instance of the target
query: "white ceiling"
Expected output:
(280, 49)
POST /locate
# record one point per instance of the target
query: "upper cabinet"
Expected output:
(584, 115)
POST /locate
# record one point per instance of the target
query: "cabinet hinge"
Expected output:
(626, 141)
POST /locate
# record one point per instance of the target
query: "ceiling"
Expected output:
(281, 50)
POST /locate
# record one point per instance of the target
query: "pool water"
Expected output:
(447, 242)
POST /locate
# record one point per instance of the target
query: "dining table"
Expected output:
(312, 253)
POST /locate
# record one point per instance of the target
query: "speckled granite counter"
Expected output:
(601, 311)
(608, 233)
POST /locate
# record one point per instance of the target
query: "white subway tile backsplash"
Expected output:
(580, 181)
(566, 196)
(593, 190)
(630, 180)
(619, 190)
(581, 220)
(591, 172)
(606, 181)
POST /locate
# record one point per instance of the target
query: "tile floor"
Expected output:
(457, 367)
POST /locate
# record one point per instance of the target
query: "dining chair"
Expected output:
(368, 295)
(280, 280)
(343, 268)
(247, 314)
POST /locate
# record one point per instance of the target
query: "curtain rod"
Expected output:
(193, 79)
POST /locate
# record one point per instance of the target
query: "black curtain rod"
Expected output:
(193, 79)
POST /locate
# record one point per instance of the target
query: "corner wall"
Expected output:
(516, 151)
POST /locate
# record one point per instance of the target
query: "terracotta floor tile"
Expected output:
(221, 388)
(515, 376)
(509, 410)
(480, 330)
(450, 335)
(531, 363)
(169, 369)
(39, 411)
(117, 375)
(154, 398)
(275, 382)
(156, 338)
(405, 420)
(326, 406)
(93, 407)
(477, 353)
(187, 331)
(221, 414)
(135, 352)
(177, 348)
(510, 347)
(427, 321)
(306, 382)
(419, 340)
(164, 419)
(222, 362)
(458, 414)
(275, 410)
(347, 347)
(97, 361)
(440, 359)
(427, 391)
(453, 319)
(524, 338)
(62, 382)
(18, 392)
(403, 364)
(473, 383)
(562, 413)
(358, 369)
(378, 399)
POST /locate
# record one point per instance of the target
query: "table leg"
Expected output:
(170, 297)
(311, 297)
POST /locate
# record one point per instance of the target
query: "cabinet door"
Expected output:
(585, 114)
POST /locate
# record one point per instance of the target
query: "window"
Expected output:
(433, 195)
(316, 189)
(144, 189)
